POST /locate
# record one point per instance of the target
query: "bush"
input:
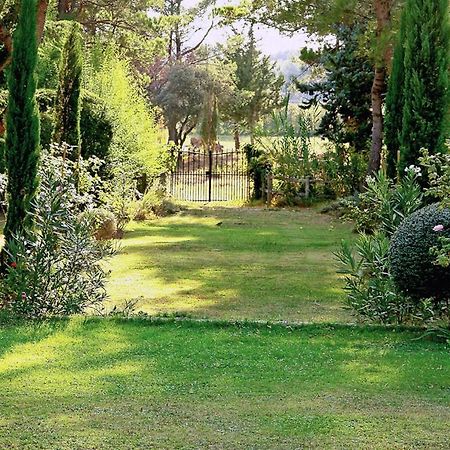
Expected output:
(412, 261)
(341, 170)
(438, 170)
(96, 127)
(154, 203)
(288, 152)
(384, 205)
(57, 268)
(258, 167)
(102, 222)
(371, 291)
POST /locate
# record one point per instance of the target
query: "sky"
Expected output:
(270, 41)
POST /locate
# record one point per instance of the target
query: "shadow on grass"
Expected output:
(113, 383)
(233, 265)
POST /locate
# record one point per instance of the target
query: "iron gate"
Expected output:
(210, 176)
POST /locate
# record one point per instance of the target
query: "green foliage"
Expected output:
(383, 206)
(345, 92)
(125, 24)
(394, 103)
(256, 85)
(289, 151)
(22, 138)
(371, 286)
(342, 171)
(418, 90)
(181, 99)
(102, 221)
(136, 140)
(258, 167)
(413, 267)
(68, 98)
(209, 120)
(154, 203)
(50, 53)
(119, 194)
(97, 127)
(442, 252)
(371, 292)
(57, 269)
(438, 171)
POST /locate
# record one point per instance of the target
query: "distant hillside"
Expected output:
(291, 70)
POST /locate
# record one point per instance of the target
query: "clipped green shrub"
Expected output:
(413, 265)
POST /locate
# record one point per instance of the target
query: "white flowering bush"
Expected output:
(56, 269)
(438, 170)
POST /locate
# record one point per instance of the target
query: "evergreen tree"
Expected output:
(394, 103)
(68, 100)
(420, 94)
(345, 92)
(22, 123)
(256, 84)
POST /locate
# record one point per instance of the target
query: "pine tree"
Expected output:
(256, 85)
(344, 93)
(68, 100)
(421, 92)
(22, 123)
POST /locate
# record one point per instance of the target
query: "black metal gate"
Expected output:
(210, 176)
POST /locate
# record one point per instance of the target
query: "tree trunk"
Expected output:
(173, 133)
(41, 16)
(237, 138)
(383, 10)
(6, 36)
(378, 88)
(251, 127)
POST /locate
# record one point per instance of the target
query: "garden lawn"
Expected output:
(115, 384)
(234, 263)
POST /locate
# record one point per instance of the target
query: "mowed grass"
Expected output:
(234, 263)
(115, 384)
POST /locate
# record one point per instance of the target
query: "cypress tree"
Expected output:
(22, 123)
(68, 99)
(394, 104)
(424, 96)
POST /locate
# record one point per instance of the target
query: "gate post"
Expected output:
(210, 166)
(269, 188)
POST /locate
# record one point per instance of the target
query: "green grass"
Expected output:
(113, 384)
(256, 264)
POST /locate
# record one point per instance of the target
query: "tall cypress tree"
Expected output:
(22, 123)
(68, 100)
(421, 97)
(394, 103)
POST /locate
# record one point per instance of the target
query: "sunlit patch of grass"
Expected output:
(234, 263)
(112, 384)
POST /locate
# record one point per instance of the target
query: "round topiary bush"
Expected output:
(412, 264)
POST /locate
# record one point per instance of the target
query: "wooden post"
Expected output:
(269, 188)
(264, 186)
(307, 187)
